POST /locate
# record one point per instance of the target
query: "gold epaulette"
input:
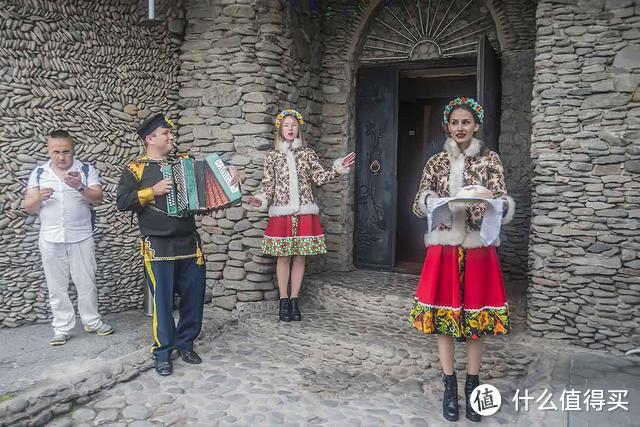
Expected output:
(137, 167)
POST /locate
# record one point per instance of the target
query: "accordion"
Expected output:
(199, 186)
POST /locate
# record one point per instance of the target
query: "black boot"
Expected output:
(469, 385)
(295, 310)
(450, 398)
(285, 310)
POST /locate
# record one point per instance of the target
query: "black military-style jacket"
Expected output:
(163, 237)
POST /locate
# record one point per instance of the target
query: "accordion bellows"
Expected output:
(199, 186)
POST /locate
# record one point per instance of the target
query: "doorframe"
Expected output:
(448, 63)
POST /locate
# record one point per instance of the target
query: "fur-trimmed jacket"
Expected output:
(444, 175)
(288, 174)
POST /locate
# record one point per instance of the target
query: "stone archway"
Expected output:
(408, 32)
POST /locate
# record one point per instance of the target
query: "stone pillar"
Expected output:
(584, 251)
(243, 62)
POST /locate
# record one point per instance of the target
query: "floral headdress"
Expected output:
(469, 102)
(285, 113)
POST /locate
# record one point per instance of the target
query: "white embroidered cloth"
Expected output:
(438, 212)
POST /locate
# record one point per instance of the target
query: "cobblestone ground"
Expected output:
(353, 360)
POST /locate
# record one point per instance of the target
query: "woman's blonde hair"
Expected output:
(279, 138)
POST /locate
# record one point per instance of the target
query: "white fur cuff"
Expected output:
(338, 167)
(511, 209)
(421, 204)
(294, 209)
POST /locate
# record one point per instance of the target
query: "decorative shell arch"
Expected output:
(410, 30)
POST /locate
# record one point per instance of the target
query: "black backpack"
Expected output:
(85, 170)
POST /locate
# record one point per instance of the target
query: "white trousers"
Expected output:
(76, 260)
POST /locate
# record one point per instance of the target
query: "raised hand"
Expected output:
(45, 193)
(162, 187)
(235, 175)
(349, 160)
(72, 179)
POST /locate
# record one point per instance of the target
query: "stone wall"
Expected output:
(584, 252)
(241, 63)
(91, 68)
(514, 145)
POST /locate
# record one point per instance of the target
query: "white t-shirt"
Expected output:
(66, 216)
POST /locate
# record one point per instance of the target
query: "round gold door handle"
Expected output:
(375, 167)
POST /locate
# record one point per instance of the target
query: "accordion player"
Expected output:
(199, 186)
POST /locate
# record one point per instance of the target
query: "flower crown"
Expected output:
(285, 113)
(469, 102)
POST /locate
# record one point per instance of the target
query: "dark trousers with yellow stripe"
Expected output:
(186, 278)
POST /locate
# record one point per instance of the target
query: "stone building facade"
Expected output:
(569, 96)
(234, 79)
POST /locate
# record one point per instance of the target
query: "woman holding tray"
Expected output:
(461, 293)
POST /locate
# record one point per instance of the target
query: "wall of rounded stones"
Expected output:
(242, 62)
(584, 251)
(88, 67)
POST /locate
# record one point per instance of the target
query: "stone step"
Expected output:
(383, 296)
(386, 297)
(357, 341)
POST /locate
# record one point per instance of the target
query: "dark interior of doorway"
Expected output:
(420, 135)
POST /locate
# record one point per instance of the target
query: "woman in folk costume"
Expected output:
(461, 292)
(294, 229)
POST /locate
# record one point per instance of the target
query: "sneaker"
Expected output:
(102, 330)
(59, 339)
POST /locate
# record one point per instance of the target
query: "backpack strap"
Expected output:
(85, 170)
(39, 172)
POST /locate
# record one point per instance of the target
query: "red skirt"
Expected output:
(461, 293)
(294, 235)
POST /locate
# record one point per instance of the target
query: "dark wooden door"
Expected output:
(411, 159)
(375, 171)
(488, 81)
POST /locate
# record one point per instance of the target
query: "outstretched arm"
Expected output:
(341, 166)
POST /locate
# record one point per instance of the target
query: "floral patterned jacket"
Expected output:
(288, 175)
(444, 175)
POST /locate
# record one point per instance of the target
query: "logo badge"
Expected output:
(485, 399)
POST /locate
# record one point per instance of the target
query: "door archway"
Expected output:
(427, 42)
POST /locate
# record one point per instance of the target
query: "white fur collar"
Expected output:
(451, 147)
(283, 145)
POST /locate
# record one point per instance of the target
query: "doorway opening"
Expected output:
(422, 96)
(398, 127)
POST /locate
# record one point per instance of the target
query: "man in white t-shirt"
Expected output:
(61, 192)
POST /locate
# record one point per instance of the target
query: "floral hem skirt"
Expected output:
(294, 235)
(461, 294)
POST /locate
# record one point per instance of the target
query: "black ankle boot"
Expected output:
(285, 310)
(469, 385)
(296, 316)
(450, 398)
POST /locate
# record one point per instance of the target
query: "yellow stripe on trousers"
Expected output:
(152, 279)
